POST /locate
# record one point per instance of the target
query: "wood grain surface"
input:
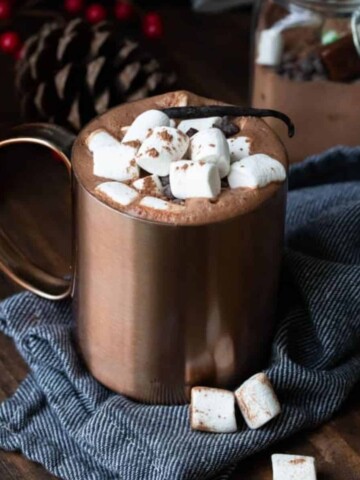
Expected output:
(211, 54)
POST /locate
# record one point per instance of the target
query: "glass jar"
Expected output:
(306, 63)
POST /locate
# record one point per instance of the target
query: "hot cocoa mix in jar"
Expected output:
(307, 64)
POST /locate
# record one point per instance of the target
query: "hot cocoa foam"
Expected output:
(192, 211)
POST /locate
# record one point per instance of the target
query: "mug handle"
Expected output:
(12, 261)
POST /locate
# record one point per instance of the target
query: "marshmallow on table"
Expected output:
(194, 180)
(257, 401)
(212, 410)
(256, 171)
(211, 146)
(149, 185)
(162, 146)
(293, 467)
(239, 148)
(140, 127)
(112, 159)
(270, 47)
(198, 123)
(118, 192)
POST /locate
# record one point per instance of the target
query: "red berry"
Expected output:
(10, 42)
(73, 6)
(152, 17)
(153, 26)
(95, 13)
(5, 10)
(124, 11)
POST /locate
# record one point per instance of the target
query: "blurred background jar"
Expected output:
(306, 63)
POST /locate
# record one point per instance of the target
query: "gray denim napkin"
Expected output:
(61, 417)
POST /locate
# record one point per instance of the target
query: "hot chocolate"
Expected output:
(307, 66)
(194, 171)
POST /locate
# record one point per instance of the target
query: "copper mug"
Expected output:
(160, 308)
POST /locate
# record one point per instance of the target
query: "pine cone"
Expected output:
(70, 73)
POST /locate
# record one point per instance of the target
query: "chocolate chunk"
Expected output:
(168, 193)
(227, 127)
(341, 59)
(191, 132)
(165, 180)
(224, 183)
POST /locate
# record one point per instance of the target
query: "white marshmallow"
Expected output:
(198, 123)
(293, 467)
(143, 123)
(212, 410)
(112, 159)
(194, 180)
(162, 146)
(257, 401)
(210, 146)
(118, 192)
(172, 123)
(239, 148)
(256, 171)
(159, 204)
(149, 185)
(100, 139)
(270, 47)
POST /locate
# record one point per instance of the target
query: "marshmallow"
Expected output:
(239, 148)
(172, 123)
(159, 204)
(100, 139)
(149, 185)
(118, 192)
(257, 401)
(143, 123)
(211, 146)
(198, 123)
(212, 410)
(293, 467)
(256, 171)
(270, 48)
(194, 180)
(112, 159)
(162, 146)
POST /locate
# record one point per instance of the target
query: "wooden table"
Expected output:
(211, 54)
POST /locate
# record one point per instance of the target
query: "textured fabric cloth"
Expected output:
(62, 418)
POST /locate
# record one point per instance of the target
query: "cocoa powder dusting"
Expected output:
(166, 136)
(297, 461)
(152, 152)
(133, 143)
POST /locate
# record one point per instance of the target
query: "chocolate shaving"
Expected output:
(221, 111)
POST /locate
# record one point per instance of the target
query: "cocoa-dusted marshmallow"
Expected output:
(150, 185)
(112, 159)
(239, 148)
(194, 180)
(118, 192)
(198, 123)
(159, 204)
(162, 146)
(140, 127)
(293, 467)
(257, 401)
(256, 171)
(212, 410)
(211, 146)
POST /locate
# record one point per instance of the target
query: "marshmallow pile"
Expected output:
(195, 155)
(213, 409)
